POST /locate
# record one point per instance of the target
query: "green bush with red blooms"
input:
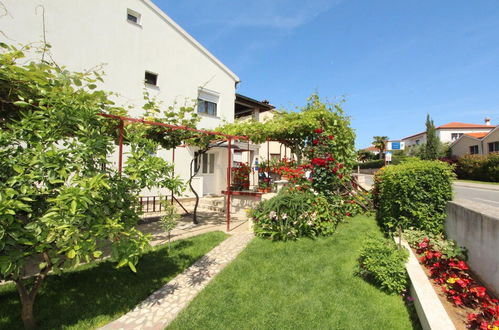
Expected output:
(240, 176)
(447, 268)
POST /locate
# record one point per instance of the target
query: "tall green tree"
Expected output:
(432, 145)
(380, 143)
(61, 200)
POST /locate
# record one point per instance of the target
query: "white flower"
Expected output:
(310, 222)
(284, 216)
(272, 214)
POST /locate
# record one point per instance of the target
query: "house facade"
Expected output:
(476, 143)
(449, 132)
(140, 49)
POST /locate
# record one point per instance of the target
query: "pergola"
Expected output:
(168, 127)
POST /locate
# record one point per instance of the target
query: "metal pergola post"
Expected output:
(229, 169)
(120, 144)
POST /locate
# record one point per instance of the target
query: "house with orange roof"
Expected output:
(482, 143)
(450, 132)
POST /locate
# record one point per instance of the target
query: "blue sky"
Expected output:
(392, 61)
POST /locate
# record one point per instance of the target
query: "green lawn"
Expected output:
(307, 284)
(96, 294)
(476, 181)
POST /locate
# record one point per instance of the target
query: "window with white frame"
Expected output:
(474, 149)
(455, 136)
(207, 163)
(493, 146)
(208, 102)
(132, 16)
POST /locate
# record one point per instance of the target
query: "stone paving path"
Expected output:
(159, 309)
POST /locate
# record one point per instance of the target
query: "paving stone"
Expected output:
(161, 307)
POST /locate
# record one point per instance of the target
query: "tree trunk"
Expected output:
(27, 313)
(28, 297)
(193, 173)
(27, 303)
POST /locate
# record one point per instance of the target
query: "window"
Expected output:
(207, 165)
(151, 78)
(132, 16)
(455, 136)
(494, 146)
(207, 107)
(417, 142)
(208, 102)
(474, 149)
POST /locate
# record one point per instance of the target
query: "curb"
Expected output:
(431, 312)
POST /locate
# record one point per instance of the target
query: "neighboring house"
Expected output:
(449, 133)
(372, 149)
(476, 143)
(141, 49)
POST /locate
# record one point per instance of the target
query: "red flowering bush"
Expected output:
(460, 288)
(240, 176)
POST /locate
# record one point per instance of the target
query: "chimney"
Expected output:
(265, 102)
(487, 121)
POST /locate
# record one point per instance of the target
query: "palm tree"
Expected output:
(380, 143)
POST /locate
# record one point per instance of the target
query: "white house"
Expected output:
(476, 143)
(449, 132)
(140, 48)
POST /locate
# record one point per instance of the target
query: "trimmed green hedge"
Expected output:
(479, 167)
(413, 194)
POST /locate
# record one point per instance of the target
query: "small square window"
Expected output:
(207, 107)
(151, 78)
(132, 16)
(474, 149)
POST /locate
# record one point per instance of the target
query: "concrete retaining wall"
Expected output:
(476, 227)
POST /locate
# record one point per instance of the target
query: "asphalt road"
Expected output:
(479, 195)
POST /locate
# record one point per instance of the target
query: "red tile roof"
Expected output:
(477, 135)
(371, 148)
(464, 125)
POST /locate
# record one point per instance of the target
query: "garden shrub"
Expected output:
(383, 264)
(378, 163)
(413, 194)
(448, 248)
(295, 213)
(479, 167)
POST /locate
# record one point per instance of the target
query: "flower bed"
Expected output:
(445, 265)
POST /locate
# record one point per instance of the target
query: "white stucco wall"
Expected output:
(87, 33)
(445, 135)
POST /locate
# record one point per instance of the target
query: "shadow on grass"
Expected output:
(95, 294)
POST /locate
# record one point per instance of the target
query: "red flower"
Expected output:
(471, 317)
(348, 214)
(423, 244)
(457, 300)
(437, 254)
(319, 161)
(330, 137)
(462, 265)
(318, 130)
(315, 142)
